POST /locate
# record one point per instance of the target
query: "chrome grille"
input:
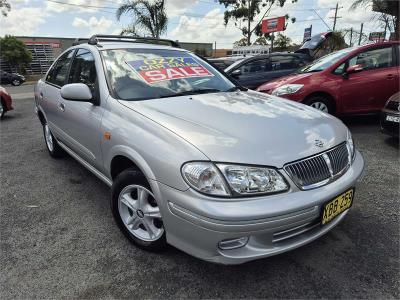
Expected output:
(320, 169)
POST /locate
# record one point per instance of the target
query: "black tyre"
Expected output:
(321, 103)
(136, 211)
(16, 82)
(51, 143)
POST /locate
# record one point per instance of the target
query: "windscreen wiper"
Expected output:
(237, 88)
(192, 92)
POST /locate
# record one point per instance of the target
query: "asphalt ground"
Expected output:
(58, 238)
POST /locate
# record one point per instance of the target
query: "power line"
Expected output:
(82, 5)
(321, 19)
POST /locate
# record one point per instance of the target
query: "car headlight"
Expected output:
(350, 146)
(205, 178)
(287, 89)
(243, 180)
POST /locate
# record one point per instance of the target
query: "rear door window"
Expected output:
(282, 62)
(254, 66)
(58, 73)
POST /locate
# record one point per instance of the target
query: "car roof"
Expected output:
(371, 45)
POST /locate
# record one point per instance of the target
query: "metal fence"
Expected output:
(42, 58)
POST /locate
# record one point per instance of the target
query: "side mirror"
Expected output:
(76, 92)
(354, 69)
(236, 73)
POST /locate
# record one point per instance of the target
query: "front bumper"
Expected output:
(274, 224)
(388, 127)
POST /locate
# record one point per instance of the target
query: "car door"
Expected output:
(50, 96)
(368, 90)
(82, 120)
(252, 73)
(281, 65)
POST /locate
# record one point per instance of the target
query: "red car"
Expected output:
(5, 102)
(354, 80)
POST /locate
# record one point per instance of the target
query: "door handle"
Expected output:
(61, 106)
(390, 76)
(41, 96)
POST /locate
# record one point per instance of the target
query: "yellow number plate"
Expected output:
(336, 206)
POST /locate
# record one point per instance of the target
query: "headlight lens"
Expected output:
(287, 89)
(350, 145)
(247, 180)
(205, 177)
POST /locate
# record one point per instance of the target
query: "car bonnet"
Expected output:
(245, 127)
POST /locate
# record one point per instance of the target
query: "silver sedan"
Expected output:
(223, 173)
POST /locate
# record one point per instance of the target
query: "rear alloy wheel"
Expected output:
(16, 82)
(321, 103)
(51, 143)
(136, 211)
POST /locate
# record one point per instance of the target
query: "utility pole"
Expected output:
(215, 49)
(336, 16)
(361, 32)
(386, 25)
(351, 37)
(248, 22)
(272, 41)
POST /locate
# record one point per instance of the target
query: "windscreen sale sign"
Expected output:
(168, 68)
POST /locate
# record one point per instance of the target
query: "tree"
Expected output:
(282, 42)
(261, 40)
(5, 7)
(389, 12)
(149, 17)
(240, 43)
(15, 52)
(247, 12)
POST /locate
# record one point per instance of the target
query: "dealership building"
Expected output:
(45, 49)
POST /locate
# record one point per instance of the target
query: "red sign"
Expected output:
(168, 68)
(273, 25)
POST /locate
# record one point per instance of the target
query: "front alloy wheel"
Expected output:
(321, 103)
(140, 213)
(320, 106)
(136, 210)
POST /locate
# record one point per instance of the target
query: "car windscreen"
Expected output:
(325, 61)
(139, 74)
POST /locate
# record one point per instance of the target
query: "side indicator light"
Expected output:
(107, 135)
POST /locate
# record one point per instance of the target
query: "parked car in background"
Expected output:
(5, 102)
(254, 71)
(390, 116)
(223, 62)
(321, 44)
(350, 81)
(180, 145)
(11, 78)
